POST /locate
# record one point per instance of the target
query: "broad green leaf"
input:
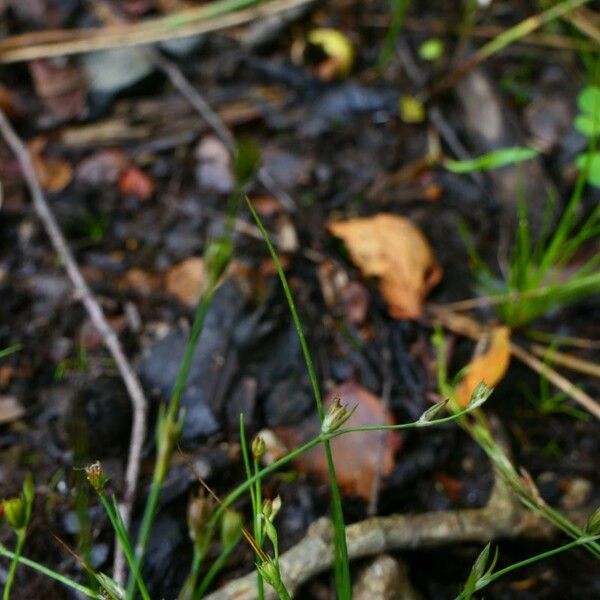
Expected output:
(593, 175)
(431, 49)
(588, 100)
(492, 160)
(587, 125)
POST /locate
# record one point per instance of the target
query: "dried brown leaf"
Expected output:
(54, 174)
(394, 250)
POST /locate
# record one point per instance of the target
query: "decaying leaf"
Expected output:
(10, 409)
(139, 280)
(54, 174)
(356, 455)
(135, 182)
(489, 366)
(342, 295)
(185, 280)
(394, 250)
(61, 86)
(102, 167)
(9, 103)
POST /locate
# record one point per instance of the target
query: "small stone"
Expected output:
(184, 281)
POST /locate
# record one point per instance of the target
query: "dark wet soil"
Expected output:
(340, 149)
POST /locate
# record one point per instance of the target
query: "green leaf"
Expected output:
(492, 160)
(588, 100)
(593, 166)
(431, 49)
(587, 125)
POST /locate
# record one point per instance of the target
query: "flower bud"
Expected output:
(429, 415)
(258, 447)
(95, 476)
(336, 416)
(270, 572)
(480, 394)
(231, 528)
(270, 508)
(199, 513)
(593, 524)
(14, 512)
(216, 258)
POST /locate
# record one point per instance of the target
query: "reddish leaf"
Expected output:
(356, 455)
(134, 182)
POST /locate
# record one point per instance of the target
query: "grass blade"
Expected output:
(342, 566)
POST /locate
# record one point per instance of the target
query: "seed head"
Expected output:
(95, 476)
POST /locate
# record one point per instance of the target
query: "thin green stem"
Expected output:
(119, 528)
(192, 579)
(526, 27)
(342, 563)
(399, 9)
(284, 460)
(168, 439)
(199, 554)
(50, 573)
(281, 590)
(10, 350)
(255, 493)
(479, 430)
(258, 536)
(216, 566)
(10, 578)
(485, 581)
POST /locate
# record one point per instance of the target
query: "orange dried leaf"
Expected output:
(488, 367)
(394, 250)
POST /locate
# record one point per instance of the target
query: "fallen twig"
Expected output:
(564, 359)
(199, 104)
(111, 341)
(186, 23)
(502, 517)
(189, 92)
(583, 20)
(501, 41)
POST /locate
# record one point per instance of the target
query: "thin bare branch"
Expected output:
(84, 294)
(194, 21)
(564, 359)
